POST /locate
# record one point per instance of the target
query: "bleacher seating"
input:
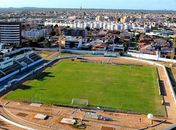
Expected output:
(11, 68)
(18, 63)
(25, 60)
(1, 74)
(34, 57)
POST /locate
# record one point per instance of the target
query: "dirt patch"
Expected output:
(22, 114)
(120, 61)
(107, 128)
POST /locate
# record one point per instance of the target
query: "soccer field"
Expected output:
(122, 87)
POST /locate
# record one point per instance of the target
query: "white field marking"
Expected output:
(15, 124)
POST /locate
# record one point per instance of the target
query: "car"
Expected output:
(86, 46)
(100, 117)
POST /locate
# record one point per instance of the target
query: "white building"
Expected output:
(96, 24)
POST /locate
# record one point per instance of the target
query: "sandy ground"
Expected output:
(48, 54)
(6, 126)
(121, 121)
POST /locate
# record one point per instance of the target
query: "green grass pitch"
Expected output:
(123, 87)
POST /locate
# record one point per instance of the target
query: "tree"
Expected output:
(116, 40)
(87, 28)
(52, 33)
(47, 43)
(56, 26)
(41, 39)
(137, 37)
(23, 27)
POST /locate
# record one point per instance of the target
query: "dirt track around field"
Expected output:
(120, 121)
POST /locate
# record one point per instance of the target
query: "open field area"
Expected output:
(123, 87)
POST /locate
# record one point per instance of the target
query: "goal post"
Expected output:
(81, 102)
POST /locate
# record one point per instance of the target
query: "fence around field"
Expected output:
(150, 57)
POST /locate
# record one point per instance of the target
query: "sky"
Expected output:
(106, 4)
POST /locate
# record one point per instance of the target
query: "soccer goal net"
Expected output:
(81, 102)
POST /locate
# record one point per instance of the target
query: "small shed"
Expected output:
(35, 104)
(68, 121)
(41, 116)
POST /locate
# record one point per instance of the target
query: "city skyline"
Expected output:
(106, 4)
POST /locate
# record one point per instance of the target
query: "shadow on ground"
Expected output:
(43, 75)
(171, 76)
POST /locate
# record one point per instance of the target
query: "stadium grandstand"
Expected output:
(10, 68)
